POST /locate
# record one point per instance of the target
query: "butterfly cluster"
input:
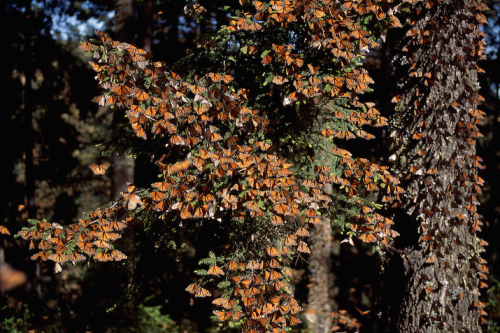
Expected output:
(331, 27)
(218, 165)
(261, 293)
(89, 238)
(342, 318)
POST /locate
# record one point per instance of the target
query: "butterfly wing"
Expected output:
(99, 169)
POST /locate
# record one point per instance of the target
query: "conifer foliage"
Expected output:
(230, 138)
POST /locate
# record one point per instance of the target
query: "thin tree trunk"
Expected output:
(145, 25)
(318, 313)
(433, 271)
(28, 113)
(125, 22)
(173, 38)
(123, 168)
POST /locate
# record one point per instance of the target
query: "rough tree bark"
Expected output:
(433, 271)
(318, 313)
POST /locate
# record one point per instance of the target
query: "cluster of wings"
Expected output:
(218, 165)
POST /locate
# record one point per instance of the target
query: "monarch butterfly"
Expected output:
(35, 234)
(278, 285)
(248, 301)
(279, 80)
(4, 230)
(281, 208)
(275, 275)
(368, 238)
(327, 132)
(117, 255)
(58, 257)
(86, 46)
(192, 288)
(309, 92)
(141, 95)
(365, 135)
(44, 245)
(222, 316)
(196, 90)
(236, 315)
(131, 197)
(99, 169)
(233, 265)
(252, 205)
(290, 240)
(253, 265)
(215, 77)
(161, 186)
(269, 308)
(227, 304)
(215, 270)
(301, 232)
(177, 140)
(303, 248)
(118, 225)
(227, 78)
(202, 292)
(43, 256)
(277, 220)
(214, 137)
(292, 210)
(186, 213)
(254, 26)
(90, 251)
(76, 257)
(259, 5)
(120, 90)
(102, 244)
(102, 256)
(97, 67)
(272, 252)
(314, 81)
(101, 235)
(432, 171)
(372, 187)
(294, 321)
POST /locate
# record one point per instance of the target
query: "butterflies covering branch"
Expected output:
(217, 161)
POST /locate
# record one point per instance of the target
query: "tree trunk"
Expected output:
(145, 25)
(318, 313)
(433, 271)
(123, 168)
(28, 136)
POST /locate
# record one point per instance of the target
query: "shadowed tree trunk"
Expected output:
(318, 313)
(145, 25)
(29, 171)
(433, 272)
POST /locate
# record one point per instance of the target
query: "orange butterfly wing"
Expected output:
(99, 169)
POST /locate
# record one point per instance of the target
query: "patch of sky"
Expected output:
(492, 39)
(66, 26)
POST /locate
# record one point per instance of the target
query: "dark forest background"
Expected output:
(51, 132)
